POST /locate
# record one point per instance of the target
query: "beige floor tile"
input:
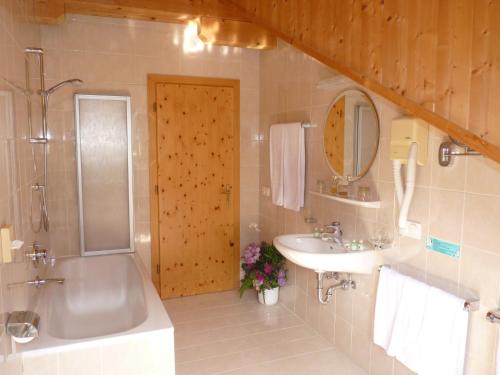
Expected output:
(222, 334)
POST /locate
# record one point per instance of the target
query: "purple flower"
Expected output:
(251, 254)
(268, 269)
(281, 278)
(259, 279)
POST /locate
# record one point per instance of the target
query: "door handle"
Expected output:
(226, 189)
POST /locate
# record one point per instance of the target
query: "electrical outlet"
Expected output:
(412, 230)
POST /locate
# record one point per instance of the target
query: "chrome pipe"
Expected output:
(34, 50)
(43, 97)
(37, 282)
(38, 140)
(343, 285)
(74, 81)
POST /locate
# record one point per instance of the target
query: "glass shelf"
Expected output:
(351, 201)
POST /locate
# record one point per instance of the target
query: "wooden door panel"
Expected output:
(197, 162)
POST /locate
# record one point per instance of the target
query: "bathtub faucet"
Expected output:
(39, 254)
(37, 283)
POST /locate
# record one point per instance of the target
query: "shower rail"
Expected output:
(43, 139)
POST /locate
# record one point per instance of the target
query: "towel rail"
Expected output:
(493, 316)
(307, 125)
(469, 305)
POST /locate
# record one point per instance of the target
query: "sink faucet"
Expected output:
(333, 233)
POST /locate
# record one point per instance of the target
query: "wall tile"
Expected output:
(447, 213)
(482, 221)
(458, 203)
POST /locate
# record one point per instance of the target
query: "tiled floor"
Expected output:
(222, 334)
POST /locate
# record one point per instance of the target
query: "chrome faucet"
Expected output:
(333, 233)
(37, 282)
(39, 254)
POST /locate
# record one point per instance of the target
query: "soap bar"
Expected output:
(6, 243)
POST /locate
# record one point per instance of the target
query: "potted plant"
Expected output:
(264, 269)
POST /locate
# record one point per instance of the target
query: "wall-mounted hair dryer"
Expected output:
(409, 139)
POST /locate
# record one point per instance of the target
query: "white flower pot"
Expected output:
(269, 296)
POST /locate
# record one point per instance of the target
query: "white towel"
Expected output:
(444, 334)
(276, 142)
(389, 291)
(405, 341)
(498, 354)
(287, 165)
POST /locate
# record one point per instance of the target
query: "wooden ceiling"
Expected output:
(52, 11)
(219, 21)
(437, 59)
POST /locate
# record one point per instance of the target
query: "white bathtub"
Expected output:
(101, 296)
(105, 300)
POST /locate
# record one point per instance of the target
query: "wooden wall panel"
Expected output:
(438, 59)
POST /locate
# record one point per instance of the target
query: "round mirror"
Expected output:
(351, 134)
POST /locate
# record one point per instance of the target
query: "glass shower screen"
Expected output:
(104, 169)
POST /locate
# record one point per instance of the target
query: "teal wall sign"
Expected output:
(447, 248)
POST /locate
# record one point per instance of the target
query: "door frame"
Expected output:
(153, 80)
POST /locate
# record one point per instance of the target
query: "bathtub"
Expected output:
(105, 301)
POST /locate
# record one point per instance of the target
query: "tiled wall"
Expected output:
(115, 56)
(112, 56)
(460, 203)
(16, 175)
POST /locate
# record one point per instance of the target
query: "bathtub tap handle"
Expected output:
(52, 261)
(38, 255)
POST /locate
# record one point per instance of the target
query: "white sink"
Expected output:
(320, 255)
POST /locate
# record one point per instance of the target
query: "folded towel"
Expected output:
(276, 146)
(444, 334)
(406, 334)
(389, 292)
(287, 165)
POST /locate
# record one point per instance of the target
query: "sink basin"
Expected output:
(319, 255)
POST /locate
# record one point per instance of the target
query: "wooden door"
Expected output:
(194, 174)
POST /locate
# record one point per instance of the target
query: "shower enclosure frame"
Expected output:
(130, 179)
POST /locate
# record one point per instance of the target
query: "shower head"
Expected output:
(74, 81)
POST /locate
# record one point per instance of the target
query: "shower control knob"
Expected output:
(38, 255)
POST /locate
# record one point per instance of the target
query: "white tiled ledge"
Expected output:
(351, 201)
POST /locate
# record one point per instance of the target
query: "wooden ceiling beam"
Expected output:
(243, 34)
(219, 21)
(52, 11)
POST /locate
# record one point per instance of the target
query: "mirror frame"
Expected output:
(363, 173)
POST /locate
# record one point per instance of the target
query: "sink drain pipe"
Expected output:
(343, 284)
